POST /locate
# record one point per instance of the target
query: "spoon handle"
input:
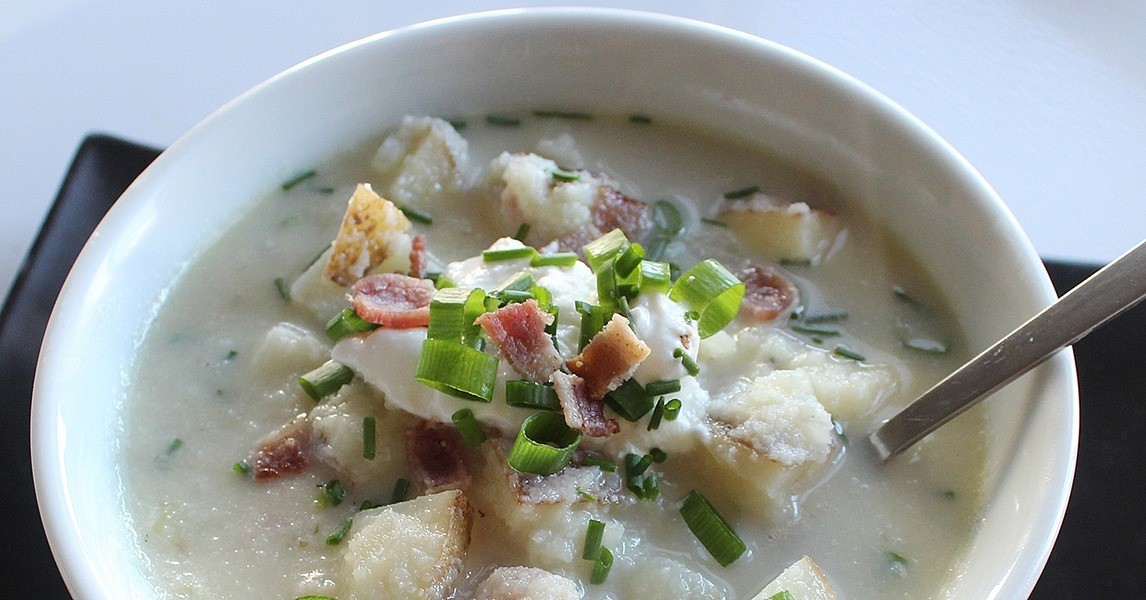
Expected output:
(1113, 289)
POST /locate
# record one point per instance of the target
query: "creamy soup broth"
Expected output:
(200, 398)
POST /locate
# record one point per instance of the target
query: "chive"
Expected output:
(457, 370)
(512, 296)
(711, 529)
(508, 254)
(452, 314)
(442, 282)
(592, 321)
(666, 218)
(527, 394)
(585, 495)
(817, 340)
(713, 291)
(848, 353)
(672, 409)
(600, 462)
(283, 288)
(714, 222)
(335, 538)
(316, 257)
(368, 504)
(241, 467)
(838, 428)
(660, 388)
(518, 282)
(562, 175)
(782, 595)
(624, 310)
(896, 562)
(558, 114)
(316, 598)
(628, 260)
(472, 432)
(297, 179)
(416, 215)
(658, 414)
(657, 246)
(558, 259)
(795, 262)
(347, 323)
(401, 490)
(593, 534)
(651, 489)
(824, 317)
(659, 456)
(601, 251)
(655, 277)
(815, 330)
(502, 120)
(369, 438)
(326, 380)
(334, 492)
(174, 446)
(904, 296)
(637, 464)
(948, 494)
(640, 119)
(544, 444)
(686, 361)
(741, 193)
(601, 567)
(629, 401)
(231, 356)
(925, 345)
(457, 123)
(522, 232)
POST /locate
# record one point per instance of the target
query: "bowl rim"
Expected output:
(48, 438)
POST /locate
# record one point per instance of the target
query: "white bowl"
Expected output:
(600, 60)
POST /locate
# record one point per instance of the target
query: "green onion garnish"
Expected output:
(947, 494)
(347, 323)
(686, 361)
(824, 317)
(472, 432)
(600, 462)
(925, 345)
(603, 249)
(452, 314)
(544, 444)
(585, 495)
(897, 563)
(559, 114)
(659, 456)
(593, 319)
(593, 535)
(650, 489)
(522, 232)
(846, 352)
(655, 277)
(629, 401)
(401, 490)
(369, 437)
(559, 259)
(335, 538)
(628, 260)
(334, 492)
(241, 468)
(457, 370)
(711, 529)
(508, 254)
(416, 215)
(658, 414)
(231, 356)
(175, 445)
(601, 567)
(457, 123)
(741, 193)
(711, 290)
(796, 262)
(316, 598)
(637, 464)
(782, 595)
(519, 282)
(667, 218)
(714, 222)
(316, 257)
(672, 409)
(660, 388)
(640, 119)
(297, 179)
(527, 394)
(562, 175)
(368, 504)
(283, 288)
(817, 331)
(502, 120)
(326, 380)
(904, 296)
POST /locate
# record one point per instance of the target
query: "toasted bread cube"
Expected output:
(423, 161)
(412, 549)
(783, 232)
(526, 583)
(803, 580)
(372, 231)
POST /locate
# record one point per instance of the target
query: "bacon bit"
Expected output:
(519, 331)
(611, 357)
(434, 453)
(768, 293)
(283, 452)
(369, 232)
(613, 210)
(393, 300)
(582, 410)
(418, 257)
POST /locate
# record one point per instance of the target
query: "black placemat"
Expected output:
(1100, 553)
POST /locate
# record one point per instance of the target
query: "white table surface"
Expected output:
(1047, 98)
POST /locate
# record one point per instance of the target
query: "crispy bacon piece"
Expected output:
(611, 357)
(768, 293)
(418, 256)
(613, 210)
(583, 411)
(519, 331)
(434, 453)
(394, 300)
(283, 452)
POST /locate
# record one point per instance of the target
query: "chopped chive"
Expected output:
(782, 595)
(896, 562)
(593, 535)
(600, 462)
(838, 429)
(369, 438)
(686, 361)
(324, 190)
(795, 262)
(231, 356)
(416, 215)
(947, 494)
(846, 352)
(640, 119)
(558, 259)
(714, 222)
(335, 538)
(601, 567)
(585, 495)
(637, 464)
(297, 179)
(174, 446)
(458, 124)
(817, 340)
(904, 296)
(659, 456)
(593, 319)
(741, 193)
(672, 409)
(666, 217)
(824, 317)
(241, 467)
(658, 414)
(326, 380)
(925, 345)
(316, 598)
(442, 282)
(347, 323)
(522, 232)
(651, 489)
(562, 175)
(368, 504)
(544, 444)
(527, 394)
(283, 288)
(560, 114)
(502, 120)
(629, 401)
(711, 529)
(508, 254)
(660, 388)
(657, 246)
(401, 490)
(815, 330)
(334, 492)
(472, 432)
(316, 257)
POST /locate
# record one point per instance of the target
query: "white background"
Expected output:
(1047, 98)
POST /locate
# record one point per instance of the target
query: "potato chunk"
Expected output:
(803, 580)
(783, 231)
(526, 583)
(372, 231)
(412, 549)
(423, 161)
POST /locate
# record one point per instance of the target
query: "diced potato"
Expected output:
(412, 549)
(657, 577)
(423, 161)
(783, 231)
(530, 194)
(562, 150)
(526, 583)
(337, 436)
(372, 231)
(803, 580)
(288, 349)
(314, 291)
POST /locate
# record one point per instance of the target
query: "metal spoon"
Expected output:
(1115, 288)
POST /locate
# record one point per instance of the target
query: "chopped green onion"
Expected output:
(607, 292)
(672, 409)
(600, 462)
(815, 330)
(714, 222)
(316, 598)
(457, 370)
(846, 352)
(241, 468)
(711, 529)
(508, 254)
(175, 445)
(544, 444)
(442, 282)
(335, 538)
(650, 489)
(658, 414)
(520, 281)
(416, 215)
(593, 535)
(593, 319)
(667, 218)
(401, 490)
(231, 356)
(457, 123)
(562, 175)
(659, 456)
(660, 388)
(527, 394)
(502, 120)
(925, 345)
(522, 232)
(601, 567)
(782, 595)
(628, 260)
(655, 277)
(796, 262)
(585, 495)
(334, 492)
(326, 380)
(657, 246)
(347, 323)
(686, 361)
(903, 295)
(558, 114)
(947, 494)
(559, 259)
(741, 193)
(603, 249)
(472, 432)
(297, 179)
(368, 504)
(711, 290)
(824, 318)
(637, 464)
(640, 119)
(629, 401)
(897, 563)
(316, 257)
(452, 314)
(369, 438)
(283, 288)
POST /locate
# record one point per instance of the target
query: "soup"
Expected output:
(243, 483)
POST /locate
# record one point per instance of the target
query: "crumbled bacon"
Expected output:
(611, 357)
(768, 293)
(519, 331)
(582, 410)
(434, 454)
(418, 258)
(393, 300)
(283, 452)
(613, 210)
